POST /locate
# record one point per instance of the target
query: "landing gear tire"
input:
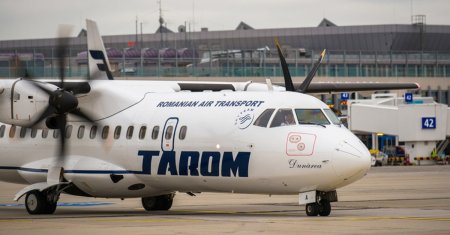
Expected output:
(158, 203)
(36, 203)
(324, 207)
(312, 209)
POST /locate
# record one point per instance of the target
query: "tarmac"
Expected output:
(389, 200)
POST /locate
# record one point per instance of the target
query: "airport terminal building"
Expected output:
(414, 52)
(381, 52)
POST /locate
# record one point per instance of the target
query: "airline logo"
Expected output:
(300, 144)
(193, 163)
(244, 119)
(99, 55)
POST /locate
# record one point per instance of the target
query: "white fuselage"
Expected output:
(221, 150)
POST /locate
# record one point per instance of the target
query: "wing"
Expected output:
(325, 87)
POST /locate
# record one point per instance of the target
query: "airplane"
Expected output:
(153, 139)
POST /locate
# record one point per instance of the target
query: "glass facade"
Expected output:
(185, 62)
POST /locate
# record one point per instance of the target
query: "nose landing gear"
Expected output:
(317, 202)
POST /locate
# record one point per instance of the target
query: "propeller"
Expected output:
(62, 101)
(287, 76)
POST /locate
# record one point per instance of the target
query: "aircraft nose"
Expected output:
(352, 158)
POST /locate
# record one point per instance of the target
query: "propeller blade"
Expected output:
(42, 87)
(62, 122)
(304, 86)
(61, 62)
(64, 32)
(83, 115)
(287, 76)
(47, 112)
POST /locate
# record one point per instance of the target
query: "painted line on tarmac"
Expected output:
(64, 204)
(296, 213)
(399, 218)
(272, 213)
(150, 220)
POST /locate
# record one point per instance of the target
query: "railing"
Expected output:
(41, 63)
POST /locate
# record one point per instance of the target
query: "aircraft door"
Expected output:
(168, 134)
(23, 105)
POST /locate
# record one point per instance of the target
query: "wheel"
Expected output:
(36, 203)
(325, 208)
(164, 203)
(312, 209)
(149, 203)
(158, 203)
(50, 208)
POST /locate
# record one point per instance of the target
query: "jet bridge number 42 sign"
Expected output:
(428, 123)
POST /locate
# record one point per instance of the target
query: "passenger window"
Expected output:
(105, 132)
(182, 134)
(311, 116)
(155, 132)
(44, 133)
(264, 118)
(169, 132)
(56, 133)
(2, 131)
(117, 132)
(283, 117)
(34, 133)
(23, 132)
(93, 132)
(130, 132)
(80, 132)
(69, 131)
(142, 132)
(12, 131)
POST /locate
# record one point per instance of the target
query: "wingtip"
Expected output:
(418, 85)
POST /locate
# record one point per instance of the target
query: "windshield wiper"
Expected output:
(313, 123)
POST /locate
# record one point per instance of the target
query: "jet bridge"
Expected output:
(418, 122)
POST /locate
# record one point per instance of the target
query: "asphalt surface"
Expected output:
(389, 200)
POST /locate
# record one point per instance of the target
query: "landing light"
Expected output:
(380, 134)
(218, 146)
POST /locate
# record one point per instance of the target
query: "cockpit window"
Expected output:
(283, 117)
(311, 116)
(264, 118)
(332, 116)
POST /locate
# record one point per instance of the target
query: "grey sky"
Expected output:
(23, 19)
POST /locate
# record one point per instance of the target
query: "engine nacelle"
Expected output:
(21, 102)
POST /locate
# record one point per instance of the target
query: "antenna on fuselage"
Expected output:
(269, 84)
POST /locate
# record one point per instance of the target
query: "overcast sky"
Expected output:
(24, 19)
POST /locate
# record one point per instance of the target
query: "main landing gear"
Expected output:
(158, 203)
(322, 208)
(38, 203)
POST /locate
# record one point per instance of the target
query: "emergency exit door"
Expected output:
(168, 134)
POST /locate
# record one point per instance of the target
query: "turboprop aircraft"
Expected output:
(151, 139)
